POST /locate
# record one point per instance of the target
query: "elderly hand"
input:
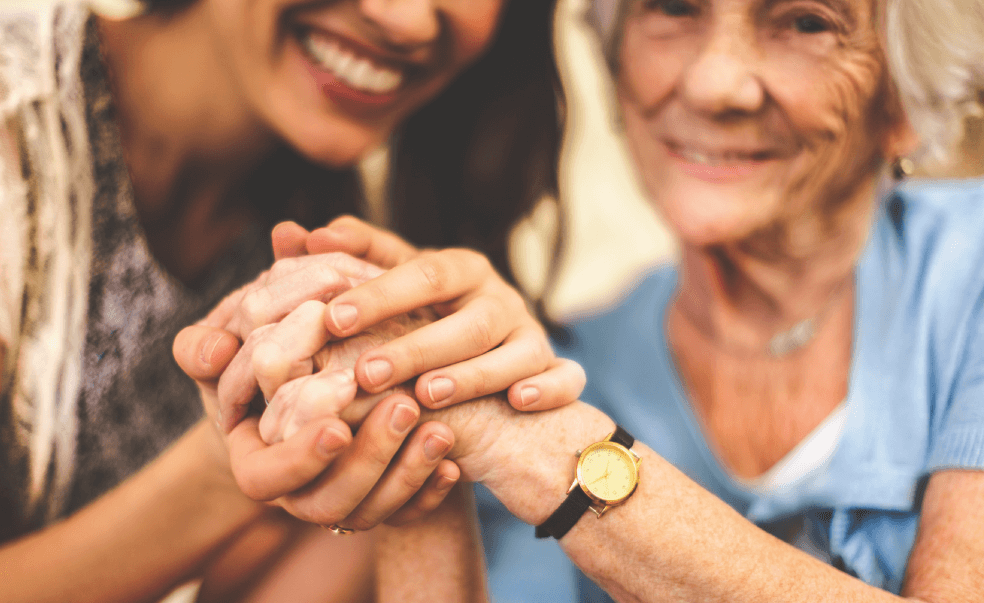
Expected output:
(476, 426)
(485, 341)
(386, 449)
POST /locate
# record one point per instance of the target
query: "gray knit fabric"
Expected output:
(132, 400)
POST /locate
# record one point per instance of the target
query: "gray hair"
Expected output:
(935, 53)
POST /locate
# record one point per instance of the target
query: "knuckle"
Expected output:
(540, 353)
(254, 309)
(434, 272)
(359, 522)
(377, 452)
(346, 220)
(412, 481)
(481, 332)
(281, 267)
(323, 273)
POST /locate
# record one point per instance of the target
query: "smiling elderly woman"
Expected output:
(806, 388)
(815, 360)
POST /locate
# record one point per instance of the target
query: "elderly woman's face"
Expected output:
(746, 116)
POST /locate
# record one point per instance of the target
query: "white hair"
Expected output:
(935, 53)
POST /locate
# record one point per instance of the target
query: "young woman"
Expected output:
(143, 162)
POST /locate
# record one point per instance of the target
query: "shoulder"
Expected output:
(932, 235)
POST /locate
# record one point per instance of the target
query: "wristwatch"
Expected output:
(607, 474)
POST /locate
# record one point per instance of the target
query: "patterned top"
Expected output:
(90, 391)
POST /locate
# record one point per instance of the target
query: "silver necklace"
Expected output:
(782, 343)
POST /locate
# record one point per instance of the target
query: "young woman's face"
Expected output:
(335, 77)
(752, 116)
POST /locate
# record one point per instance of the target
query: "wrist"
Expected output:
(527, 460)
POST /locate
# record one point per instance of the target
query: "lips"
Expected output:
(718, 165)
(349, 73)
(360, 73)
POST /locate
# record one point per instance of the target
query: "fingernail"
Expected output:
(342, 376)
(330, 441)
(440, 389)
(436, 447)
(445, 482)
(403, 418)
(208, 347)
(528, 395)
(344, 316)
(378, 371)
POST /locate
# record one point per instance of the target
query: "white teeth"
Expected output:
(707, 159)
(359, 73)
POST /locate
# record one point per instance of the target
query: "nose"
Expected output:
(723, 78)
(407, 24)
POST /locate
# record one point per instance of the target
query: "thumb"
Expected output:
(203, 353)
(289, 240)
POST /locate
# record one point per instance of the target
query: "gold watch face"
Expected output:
(607, 472)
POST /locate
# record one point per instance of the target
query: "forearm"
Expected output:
(137, 541)
(438, 558)
(672, 540)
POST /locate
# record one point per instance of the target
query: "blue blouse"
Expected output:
(915, 402)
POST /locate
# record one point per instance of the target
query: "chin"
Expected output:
(335, 147)
(705, 218)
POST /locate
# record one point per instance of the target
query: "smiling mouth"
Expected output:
(714, 159)
(356, 71)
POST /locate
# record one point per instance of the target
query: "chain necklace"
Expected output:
(781, 344)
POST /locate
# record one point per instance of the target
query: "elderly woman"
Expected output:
(806, 387)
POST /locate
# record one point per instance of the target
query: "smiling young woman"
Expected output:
(144, 162)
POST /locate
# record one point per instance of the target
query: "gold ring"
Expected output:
(334, 528)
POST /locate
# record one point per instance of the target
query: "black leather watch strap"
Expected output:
(570, 511)
(563, 519)
(623, 437)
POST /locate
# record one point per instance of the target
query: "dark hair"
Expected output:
(466, 166)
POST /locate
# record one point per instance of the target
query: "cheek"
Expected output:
(648, 69)
(474, 23)
(826, 100)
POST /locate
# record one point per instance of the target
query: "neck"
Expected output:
(187, 133)
(743, 295)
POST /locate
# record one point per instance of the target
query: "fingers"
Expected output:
(429, 497)
(302, 400)
(353, 236)
(353, 475)
(408, 475)
(204, 352)
(271, 356)
(289, 240)
(284, 351)
(268, 472)
(288, 285)
(524, 353)
(428, 279)
(561, 384)
(469, 333)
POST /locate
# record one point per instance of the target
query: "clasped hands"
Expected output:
(330, 336)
